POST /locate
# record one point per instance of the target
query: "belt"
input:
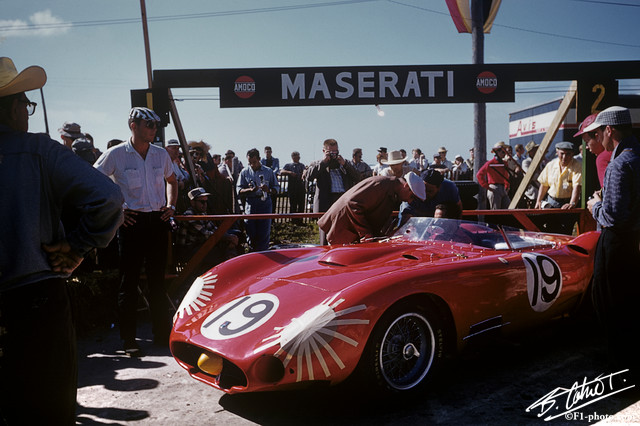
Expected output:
(559, 200)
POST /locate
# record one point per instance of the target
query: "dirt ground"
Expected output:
(490, 385)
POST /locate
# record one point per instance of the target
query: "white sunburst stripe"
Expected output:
(351, 310)
(307, 356)
(329, 349)
(339, 336)
(348, 322)
(320, 357)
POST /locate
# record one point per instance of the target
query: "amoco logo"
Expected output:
(244, 87)
(487, 82)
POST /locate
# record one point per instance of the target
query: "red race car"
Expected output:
(387, 311)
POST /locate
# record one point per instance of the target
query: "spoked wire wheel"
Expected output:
(406, 352)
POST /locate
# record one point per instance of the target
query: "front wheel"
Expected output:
(405, 348)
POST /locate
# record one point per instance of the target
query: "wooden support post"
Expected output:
(566, 103)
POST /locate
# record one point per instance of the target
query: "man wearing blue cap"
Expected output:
(615, 290)
(438, 191)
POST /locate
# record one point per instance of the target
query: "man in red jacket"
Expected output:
(494, 177)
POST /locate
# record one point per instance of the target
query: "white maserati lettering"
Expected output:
(366, 84)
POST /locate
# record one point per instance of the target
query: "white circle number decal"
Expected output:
(544, 280)
(240, 316)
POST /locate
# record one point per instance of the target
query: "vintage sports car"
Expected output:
(387, 311)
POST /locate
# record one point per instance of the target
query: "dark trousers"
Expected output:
(143, 243)
(616, 292)
(38, 357)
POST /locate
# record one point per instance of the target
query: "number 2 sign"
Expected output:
(544, 280)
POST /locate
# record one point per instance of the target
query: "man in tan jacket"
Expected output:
(363, 210)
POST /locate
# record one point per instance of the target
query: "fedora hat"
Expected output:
(531, 146)
(395, 157)
(12, 81)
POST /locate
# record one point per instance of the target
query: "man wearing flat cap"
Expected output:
(560, 180)
(560, 183)
(364, 210)
(615, 285)
(38, 179)
(438, 190)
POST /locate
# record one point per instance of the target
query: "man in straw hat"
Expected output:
(364, 210)
(397, 163)
(615, 286)
(39, 178)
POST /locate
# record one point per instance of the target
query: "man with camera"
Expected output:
(333, 175)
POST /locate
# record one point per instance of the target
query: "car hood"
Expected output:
(302, 288)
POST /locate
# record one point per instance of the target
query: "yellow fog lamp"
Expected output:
(210, 363)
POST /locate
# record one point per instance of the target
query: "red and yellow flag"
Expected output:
(461, 14)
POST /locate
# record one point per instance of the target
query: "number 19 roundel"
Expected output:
(240, 316)
(544, 280)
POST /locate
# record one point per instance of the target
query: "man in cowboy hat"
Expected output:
(364, 210)
(69, 132)
(38, 179)
(397, 163)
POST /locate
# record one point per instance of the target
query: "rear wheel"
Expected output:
(405, 349)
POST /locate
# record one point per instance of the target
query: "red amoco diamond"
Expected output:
(486, 82)
(244, 87)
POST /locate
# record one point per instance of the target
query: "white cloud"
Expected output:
(41, 24)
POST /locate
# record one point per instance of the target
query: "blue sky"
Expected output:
(94, 56)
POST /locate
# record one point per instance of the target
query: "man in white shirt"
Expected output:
(141, 169)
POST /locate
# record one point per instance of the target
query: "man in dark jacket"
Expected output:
(333, 175)
(39, 178)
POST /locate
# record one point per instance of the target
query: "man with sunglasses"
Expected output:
(141, 170)
(39, 178)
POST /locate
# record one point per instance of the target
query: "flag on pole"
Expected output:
(460, 11)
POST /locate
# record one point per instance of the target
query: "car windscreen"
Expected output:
(466, 232)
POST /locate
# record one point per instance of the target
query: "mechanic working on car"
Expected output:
(39, 178)
(364, 210)
(615, 289)
(438, 191)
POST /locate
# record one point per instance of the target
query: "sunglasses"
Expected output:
(150, 124)
(31, 106)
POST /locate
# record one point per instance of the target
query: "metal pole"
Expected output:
(145, 32)
(479, 109)
(44, 110)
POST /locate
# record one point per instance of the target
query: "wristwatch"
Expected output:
(172, 207)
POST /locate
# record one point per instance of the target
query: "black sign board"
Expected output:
(267, 87)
